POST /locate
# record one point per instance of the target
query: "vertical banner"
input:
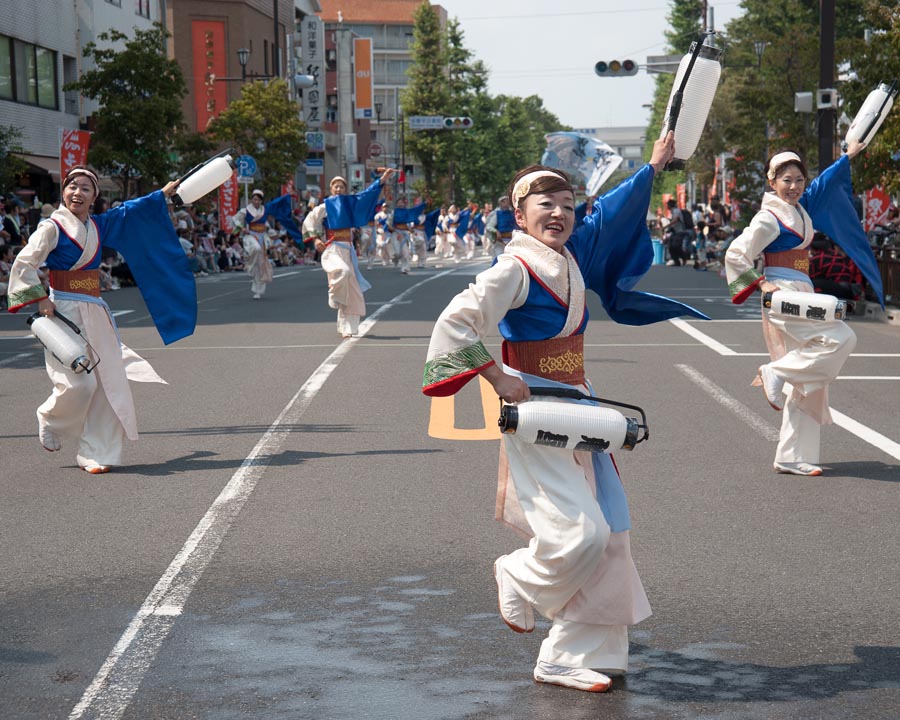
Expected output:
(877, 204)
(312, 31)
(208, 48)
(288, 188)
(229, 199)
(73, 149)
(363, 88)
(681, 193)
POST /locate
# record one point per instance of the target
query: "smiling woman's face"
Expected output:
(789, 184)
(79, 196)
(548, 217)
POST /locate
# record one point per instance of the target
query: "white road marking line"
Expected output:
(689, 329)
(885, 444)
(14, 358)
(702, 337)
(115, 684)
(868, 377)
(764, 428)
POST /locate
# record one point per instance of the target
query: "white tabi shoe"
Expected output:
(772, 386)
(48, 438)
(800, 468)
(516, 612)
(577, 678)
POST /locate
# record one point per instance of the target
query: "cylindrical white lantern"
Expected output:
(66, 346)
(569, 426)
(872, 113)
(203, 180)
(689, 117)
(791, 304)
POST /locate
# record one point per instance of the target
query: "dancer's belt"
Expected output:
(794, 259)
(257, 227)
(83, 282)
(506, 235)
(559, 359)
(340, 234)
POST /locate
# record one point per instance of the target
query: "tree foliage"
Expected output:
(10, 165)
(139, 91)
(874, 62)
(265, 123)
(445, 80)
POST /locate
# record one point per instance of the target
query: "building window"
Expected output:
(142, 8)
(70, 75)
(7, 89)
(117, 3)
(28, 73)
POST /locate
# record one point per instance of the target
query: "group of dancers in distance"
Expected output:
(576, 569)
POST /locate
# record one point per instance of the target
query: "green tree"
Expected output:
(874, 62)
(139, 90)
(427, 93)
(508, 132)
(265, 123)
(753, 115)
(10, 165)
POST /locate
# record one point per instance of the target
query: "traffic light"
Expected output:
(614, 68)
(458, 123)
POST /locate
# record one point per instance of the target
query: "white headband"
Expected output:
(523, 184)
(780, 159)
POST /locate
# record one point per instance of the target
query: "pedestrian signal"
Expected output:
(458, 123)
(616, 68)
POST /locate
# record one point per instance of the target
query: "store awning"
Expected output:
(48, 165)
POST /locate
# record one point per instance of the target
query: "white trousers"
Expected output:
(570, 537)
(78, 408)
(574, 644)
(816, 353)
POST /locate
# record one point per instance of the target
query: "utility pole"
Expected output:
(826, 116)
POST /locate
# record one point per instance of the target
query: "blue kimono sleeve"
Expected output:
(614, 251)
(282, 210)
(348, 211)
(142, 232)
(463, 226)
(431, 221)
(829, 202)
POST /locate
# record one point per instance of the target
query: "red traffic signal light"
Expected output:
(616, 68)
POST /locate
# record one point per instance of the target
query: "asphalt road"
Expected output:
(286, 540)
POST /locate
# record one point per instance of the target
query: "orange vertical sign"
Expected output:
(208, 54)
(363, 80)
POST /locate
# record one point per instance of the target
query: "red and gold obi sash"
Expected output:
(560, 359)
(257, 227)
(793, 259)
(342, 234)
(82, 282)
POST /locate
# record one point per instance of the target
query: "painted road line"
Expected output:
(14, 358)
(885, 444)
(712, 344)
(763, 427)
(702, 337)
(114, 686)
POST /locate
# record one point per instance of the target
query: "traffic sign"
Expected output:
(376, 150)
(246, 166)
(426, 122)
(315, 166)
(315, 141)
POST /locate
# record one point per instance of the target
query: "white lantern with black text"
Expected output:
(692, 96)
(872, 113)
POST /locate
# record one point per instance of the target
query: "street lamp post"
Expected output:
(243, 56)
(759, 47)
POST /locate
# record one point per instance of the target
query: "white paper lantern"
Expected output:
(872, 113)
(689, 117)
